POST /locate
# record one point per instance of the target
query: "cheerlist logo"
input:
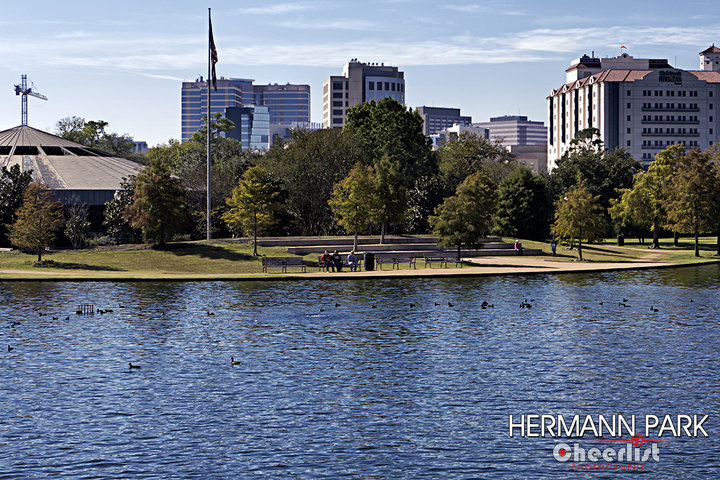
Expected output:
(623, 446)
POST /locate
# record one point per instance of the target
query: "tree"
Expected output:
(524, 206)
(470, 153)
(77, 226)
(387, 128)
(39, 217)
(463, 219)
(643, 204)
(92, 133)
(307, 168)
(158, 208)
(692, 199)
(354, 199)
(13, 183)
(116, 225)
(578, 216)
(391, 195)
(603, 172)
(252, 206)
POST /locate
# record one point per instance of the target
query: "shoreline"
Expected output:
(486, 266)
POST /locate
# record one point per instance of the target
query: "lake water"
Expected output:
(367, 379)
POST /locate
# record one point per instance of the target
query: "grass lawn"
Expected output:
(232, 259)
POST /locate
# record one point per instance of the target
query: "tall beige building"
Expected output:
(360, 82)
(642, 105)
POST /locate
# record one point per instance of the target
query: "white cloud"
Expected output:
(277, 9)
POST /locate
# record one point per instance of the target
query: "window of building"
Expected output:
(337, 95)
(628, 130)
(387, 86)
(392, 86)
(628, 143)
(629, 93)
(711, 131)
(371, 85)
(628, 118)
(337, 85)
(337, 112)
(629, 105)
(337, 103)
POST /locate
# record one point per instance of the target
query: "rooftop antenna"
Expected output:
(23, 90)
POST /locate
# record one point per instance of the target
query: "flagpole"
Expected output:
(209, 79)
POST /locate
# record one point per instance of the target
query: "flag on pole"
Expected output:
(213, 57)
(621, 46)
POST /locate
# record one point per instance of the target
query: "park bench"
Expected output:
(443, 260)
(283, 263)
(396, 261)
(360, 257)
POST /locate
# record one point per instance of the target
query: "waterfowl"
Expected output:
(133, 366)
(234, 362)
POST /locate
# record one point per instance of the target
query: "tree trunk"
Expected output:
(697, 246)
(579, 248)
(255, 254)
(39, 252)
(382, 233)
(676, 237)
(355, 241)
(458, 253)
(656, 235)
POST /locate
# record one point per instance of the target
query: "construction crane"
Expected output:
(23, 90)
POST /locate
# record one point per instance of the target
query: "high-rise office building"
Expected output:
(515, 130)
(285, 103)
(252, 126)
(642, 105)
(360, 82)
(440, 118)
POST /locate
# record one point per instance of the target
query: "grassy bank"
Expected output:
(231, 259)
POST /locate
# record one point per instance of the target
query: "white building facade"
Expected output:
(642, 105)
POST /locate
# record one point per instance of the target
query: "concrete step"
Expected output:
(418, 247)
(494, 252)
(328, 242)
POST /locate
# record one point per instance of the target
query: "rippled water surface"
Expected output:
(371, 379)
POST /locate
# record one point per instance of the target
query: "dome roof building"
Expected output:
(70, 169)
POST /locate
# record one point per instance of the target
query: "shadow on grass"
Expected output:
(76, 266)
(212, 252)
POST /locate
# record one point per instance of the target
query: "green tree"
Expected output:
(470, 153)
(691, 198)
(524, 206)
(92, 133)
(463, 219)
(158, 208)
(116, 225)
(77, 226)
(13, 183)
(38, 219)
(253, 204)
(604, 172)
(391, 195)
(387, 128)
(578, 216)
(307, 168)
(354, 199)
(643, 204)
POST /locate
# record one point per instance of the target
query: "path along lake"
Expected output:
(366, 379)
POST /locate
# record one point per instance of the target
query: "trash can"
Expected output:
(621, 240)
(369, 262)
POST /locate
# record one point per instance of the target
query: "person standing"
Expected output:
(553, 246)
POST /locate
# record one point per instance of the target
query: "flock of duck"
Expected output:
(484, 305)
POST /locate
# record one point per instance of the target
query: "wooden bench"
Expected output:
(360, 259)
(443, 260)
(283, 263)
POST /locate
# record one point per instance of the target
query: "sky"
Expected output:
(124, 62)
